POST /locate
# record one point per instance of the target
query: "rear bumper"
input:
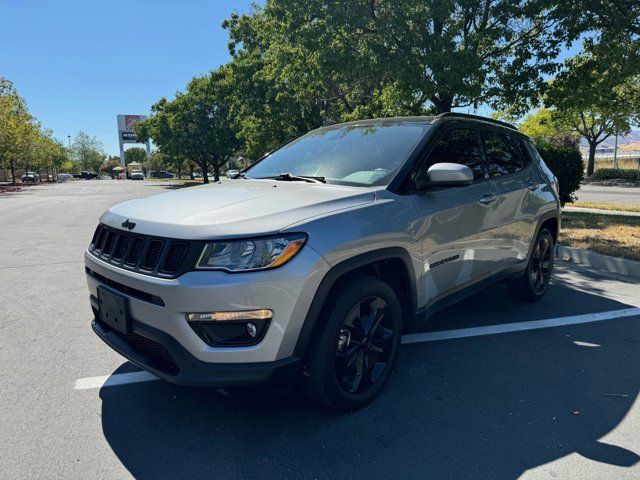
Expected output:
(159, 353)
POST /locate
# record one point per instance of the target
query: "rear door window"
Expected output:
(502, 154)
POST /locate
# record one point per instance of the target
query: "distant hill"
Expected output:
(631, 141)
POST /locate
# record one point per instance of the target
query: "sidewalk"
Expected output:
(601, 211)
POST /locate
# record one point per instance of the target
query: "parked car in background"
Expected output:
(309, 269)
(160, 174)
(196, 175)
(31, 177)
(84, 175)
(232, 173)
(63, 177)
(136, 175)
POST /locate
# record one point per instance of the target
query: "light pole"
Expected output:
(615, 153)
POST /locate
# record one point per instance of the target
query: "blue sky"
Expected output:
(80, 63)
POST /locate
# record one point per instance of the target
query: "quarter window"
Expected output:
(502, 154)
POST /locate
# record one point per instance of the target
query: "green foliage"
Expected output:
(300, 64)
(595, 99)
(24, 144)
(566, 164)
(611, 173)
(135, 154)
(544, 127)
(196, 125)
(108, 166)
(87, 152)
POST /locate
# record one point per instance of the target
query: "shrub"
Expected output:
(611, 173)
(566, 164)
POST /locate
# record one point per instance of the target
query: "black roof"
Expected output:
(474, 117)
(426, 119)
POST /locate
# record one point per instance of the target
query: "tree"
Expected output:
(299, 64)
(611, 31)
(135, 154)
(16, 125)
(195, 125)
(546, 128)
(87, 151)
(111, 162)
(596, 100)
(23, 142)
(47, 153)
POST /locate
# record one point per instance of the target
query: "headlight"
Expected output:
(251, 254)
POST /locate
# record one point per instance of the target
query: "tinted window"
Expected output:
(502, 153)
(459, 146)
(351, 154)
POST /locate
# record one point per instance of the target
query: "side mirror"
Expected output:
(450, 175)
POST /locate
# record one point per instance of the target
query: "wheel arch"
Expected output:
(391, 264)
(551, 221)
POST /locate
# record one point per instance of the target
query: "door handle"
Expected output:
(533, 186)
(487, 198)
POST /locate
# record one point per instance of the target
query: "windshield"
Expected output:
(351, 155)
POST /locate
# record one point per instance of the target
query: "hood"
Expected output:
(236, 208)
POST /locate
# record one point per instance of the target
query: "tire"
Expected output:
(531, 285)
(360, 331)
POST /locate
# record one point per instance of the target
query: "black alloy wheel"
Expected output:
(541, 264)
(531, 285)
(355, 345)
(364, 344)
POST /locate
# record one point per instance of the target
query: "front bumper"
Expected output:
(160, 354)
(157, 307)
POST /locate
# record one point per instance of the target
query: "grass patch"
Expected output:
(606, 206)
(622, 163)
(618, 236)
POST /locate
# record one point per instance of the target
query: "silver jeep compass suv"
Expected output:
(309, 265)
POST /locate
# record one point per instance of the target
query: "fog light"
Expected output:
(230, 328)
(252, 330)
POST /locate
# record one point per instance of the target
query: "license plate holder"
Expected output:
(114, 311)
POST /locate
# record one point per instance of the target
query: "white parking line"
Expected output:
(136, 377)
(113, 380)
(519, 327)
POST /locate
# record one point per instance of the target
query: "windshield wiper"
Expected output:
(299, 178)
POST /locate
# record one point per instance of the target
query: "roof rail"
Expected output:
(475, 117)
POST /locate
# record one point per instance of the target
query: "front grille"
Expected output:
(175, 256)
(151, 259)
(121, 248)
(137, 245)
(155, 256)
(109, 243)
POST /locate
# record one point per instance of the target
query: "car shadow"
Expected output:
(483, 407)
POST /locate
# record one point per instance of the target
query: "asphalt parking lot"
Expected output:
(613, 195)
(496, 396)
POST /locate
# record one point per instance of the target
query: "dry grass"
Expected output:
(625, 163)
(606, 206)
(608, 234)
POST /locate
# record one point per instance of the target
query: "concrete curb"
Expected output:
(601, 211)
(599, 261)
(612, 183)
